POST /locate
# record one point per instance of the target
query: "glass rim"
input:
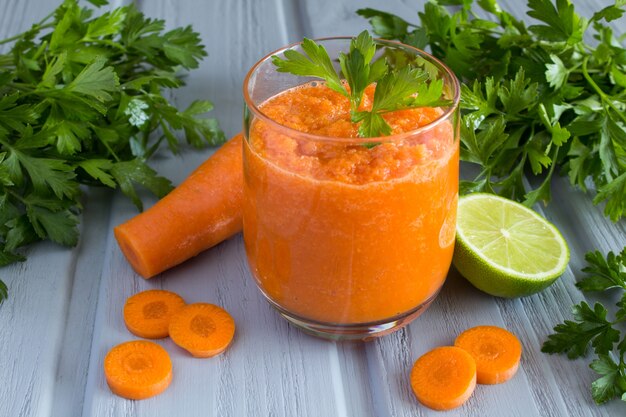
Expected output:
(390, 138)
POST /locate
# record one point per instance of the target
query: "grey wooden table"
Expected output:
(64, 312)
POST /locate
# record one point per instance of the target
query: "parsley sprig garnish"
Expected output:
(592, 328)
(397, 88)
(80, 100)
(536, 98)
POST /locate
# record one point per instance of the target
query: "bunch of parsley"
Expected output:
(80, 98)
(534, 97)
(592, 327)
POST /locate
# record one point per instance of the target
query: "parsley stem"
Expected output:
(106, 145)
(37, 26)
(601, 93)
(591, 71)
(16, 195)
(106, 42)
(12, 38)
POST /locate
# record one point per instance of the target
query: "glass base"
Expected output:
(357, 331)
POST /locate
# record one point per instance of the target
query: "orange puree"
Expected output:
(343, 233)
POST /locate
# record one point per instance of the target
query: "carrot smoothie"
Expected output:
(343, 230)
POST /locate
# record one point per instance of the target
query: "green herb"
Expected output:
(4, 292)
(80, 100)
(396, 88)
(591, 327)
(534, 97)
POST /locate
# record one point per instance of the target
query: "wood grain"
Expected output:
(64, 312)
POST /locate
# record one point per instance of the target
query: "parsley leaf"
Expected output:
(558, 97)
(397, 86)
(108, 23)
(384, 24)
(562, 23)
(591, 327)
(129, 173)
(396, 89)
(371, 124)
(99, 170)
(556, 73)
(609, 14)
(182, 46)
(613, 193)
(316, 63)
(95, 80)
(356, 67)
(604, 273)
(54, 225)
(83, 101)
(612, 382)
(48, 174)
(13, 116)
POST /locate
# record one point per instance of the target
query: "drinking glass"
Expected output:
(347, 237)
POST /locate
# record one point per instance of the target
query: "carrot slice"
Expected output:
(201, 212)
(444, 378)
(147, 314)
(497, 352)
(138, 369)
(203, 329)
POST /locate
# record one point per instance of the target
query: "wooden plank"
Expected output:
(72, 363)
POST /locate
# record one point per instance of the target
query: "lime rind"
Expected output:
(532, 256)
(558, 238)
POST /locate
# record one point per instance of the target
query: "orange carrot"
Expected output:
(138, 369)
(202, 329)
(497, 352)
(201, 212)
(444, 378)
(147, 314)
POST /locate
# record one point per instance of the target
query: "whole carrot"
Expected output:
(201, 212)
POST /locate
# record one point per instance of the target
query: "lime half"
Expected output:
(506, 249)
